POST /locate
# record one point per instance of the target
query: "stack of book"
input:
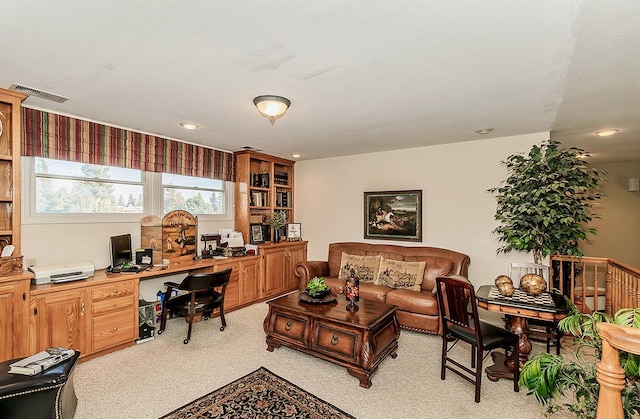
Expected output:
(41, 361)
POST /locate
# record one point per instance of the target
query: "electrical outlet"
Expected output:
(31, 262)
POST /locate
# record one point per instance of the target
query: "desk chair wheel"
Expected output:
(222, 328)
(160, 331)
(205, 318)
(185, 341)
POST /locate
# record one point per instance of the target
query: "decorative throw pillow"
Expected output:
(401, 274)
(364, 267)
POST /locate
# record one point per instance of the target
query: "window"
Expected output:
(193, 194)
(58, 191)
(77, 188)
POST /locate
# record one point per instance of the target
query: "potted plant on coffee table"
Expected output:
(568, 383)
(545, 203)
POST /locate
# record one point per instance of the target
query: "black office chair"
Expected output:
(459, 316)
(205, 293)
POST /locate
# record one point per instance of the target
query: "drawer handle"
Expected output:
(115, 291)
(287, 326)
(115, 329)
(115, 304)
(334, 339)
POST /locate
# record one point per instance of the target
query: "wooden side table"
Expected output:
(517, 309)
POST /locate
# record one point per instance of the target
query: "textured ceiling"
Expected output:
(363, 76)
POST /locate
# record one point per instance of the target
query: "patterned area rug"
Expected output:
(260, 394)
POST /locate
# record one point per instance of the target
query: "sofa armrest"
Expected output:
(308, 269)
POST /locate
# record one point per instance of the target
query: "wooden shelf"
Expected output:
(256, 175)
(10, 107)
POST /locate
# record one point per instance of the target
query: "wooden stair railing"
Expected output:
(608, 371)
(585, 280)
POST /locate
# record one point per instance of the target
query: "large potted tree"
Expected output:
(546, 202)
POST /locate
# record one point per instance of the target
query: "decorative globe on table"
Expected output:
(533, 284)
(504, 285)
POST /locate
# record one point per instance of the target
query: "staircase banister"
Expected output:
(609, 373)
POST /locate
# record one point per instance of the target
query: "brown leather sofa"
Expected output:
(417, 310)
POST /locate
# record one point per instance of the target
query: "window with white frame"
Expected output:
(58, 191)
(193, 194)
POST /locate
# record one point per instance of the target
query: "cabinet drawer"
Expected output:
(115, 289)
(112, 304)
(113, 329)
(336, 342)
(293, 328)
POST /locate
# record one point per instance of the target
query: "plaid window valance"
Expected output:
(49, 135)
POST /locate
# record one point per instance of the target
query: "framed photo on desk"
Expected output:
(255, 230)
(294, 232)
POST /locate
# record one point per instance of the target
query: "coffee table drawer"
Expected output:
(291, 327)
(337, 342)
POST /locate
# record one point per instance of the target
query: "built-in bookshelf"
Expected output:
(10, 120)
(264, 185)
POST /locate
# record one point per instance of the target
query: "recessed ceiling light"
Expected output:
(296, 156)
(483, 131)
(607, 132)
(187, 125)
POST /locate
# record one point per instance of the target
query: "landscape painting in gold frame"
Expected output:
(393, 215)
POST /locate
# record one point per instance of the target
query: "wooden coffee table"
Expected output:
(357, 340)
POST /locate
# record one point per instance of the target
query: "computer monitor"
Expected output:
(120, 250)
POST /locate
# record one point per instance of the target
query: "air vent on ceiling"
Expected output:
(248, 147)
(38, 93)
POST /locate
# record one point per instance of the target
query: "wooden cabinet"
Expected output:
(86, 316)
(232, 294)
(264, 184)
(244, 285)
(14, 316)
(114, 314)
(10, 120)
(279, 263)
(249, 281)
(60, 319)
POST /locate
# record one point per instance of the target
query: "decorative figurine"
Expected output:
(352, 291)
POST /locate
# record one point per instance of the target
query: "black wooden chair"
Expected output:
(204, 293)
(459, 316)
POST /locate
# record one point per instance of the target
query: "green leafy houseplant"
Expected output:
(550, 377)
(277, 221)
(316, 285)
(546, 201)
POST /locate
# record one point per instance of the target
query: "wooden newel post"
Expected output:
(609, 373)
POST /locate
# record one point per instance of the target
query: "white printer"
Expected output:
(53, 274)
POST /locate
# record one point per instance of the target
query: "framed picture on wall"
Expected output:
(256, 233)
(393, 215)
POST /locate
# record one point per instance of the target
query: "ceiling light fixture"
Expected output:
(187, 125)
(483, 131)
(296, 155)
(272, 107)
(607, 132)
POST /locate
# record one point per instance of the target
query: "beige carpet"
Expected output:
(154, 378)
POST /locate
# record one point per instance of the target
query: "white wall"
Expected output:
(619, 226)
(454, 178)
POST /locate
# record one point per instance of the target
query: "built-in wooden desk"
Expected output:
(98, 315)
